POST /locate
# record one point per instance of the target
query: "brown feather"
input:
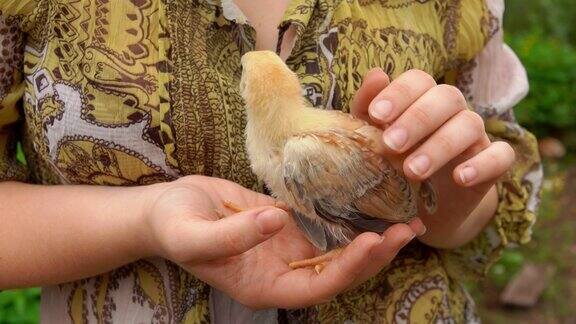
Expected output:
(343, 183)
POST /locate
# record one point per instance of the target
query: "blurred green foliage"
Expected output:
(550, 108)
(20, 306)
(543, 34)
(555, 18)
(509, 265)
(20, 154)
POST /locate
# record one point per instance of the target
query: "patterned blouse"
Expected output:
(135, 92)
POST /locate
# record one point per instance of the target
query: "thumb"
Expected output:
(237, 233)
(374, 81)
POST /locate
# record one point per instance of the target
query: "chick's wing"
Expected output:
(334, 175)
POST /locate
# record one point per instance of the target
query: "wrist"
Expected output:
(160, 210)
(142, 241)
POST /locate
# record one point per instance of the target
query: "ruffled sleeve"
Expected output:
(16, 17)
(494, 82)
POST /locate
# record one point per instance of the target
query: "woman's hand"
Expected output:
(442, 140)
(246, 254)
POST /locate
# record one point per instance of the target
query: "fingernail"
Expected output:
(270, 221)
(420, 227)
(395, 138)
(381, 110)
(468, 174)
(422, 231)
(419, 165)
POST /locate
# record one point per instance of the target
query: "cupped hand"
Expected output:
(246, 254)
(443, 141)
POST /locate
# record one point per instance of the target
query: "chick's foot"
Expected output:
(319, 262)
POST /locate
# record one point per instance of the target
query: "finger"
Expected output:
(374, 82)
(303, 287)
(424, 117)
(417, 226)
(394, 239)
(229, 236)
(487, 166)
(460, 133)
(399, 95)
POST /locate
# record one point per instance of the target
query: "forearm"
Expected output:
(54, 234)
(453, 233)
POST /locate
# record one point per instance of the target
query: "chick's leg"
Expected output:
(318, 262)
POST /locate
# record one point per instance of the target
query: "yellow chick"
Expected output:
(327, 166)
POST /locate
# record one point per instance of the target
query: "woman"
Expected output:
(115, 100)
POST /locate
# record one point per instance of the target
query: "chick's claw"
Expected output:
(232, 206)
(319, 267)
(319, 262)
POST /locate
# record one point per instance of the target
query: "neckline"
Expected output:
(294, 20)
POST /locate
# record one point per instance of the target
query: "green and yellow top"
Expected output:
(142, 91)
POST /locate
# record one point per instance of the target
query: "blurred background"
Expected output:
(543, 34)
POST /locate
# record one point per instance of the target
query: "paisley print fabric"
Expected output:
(136, 92)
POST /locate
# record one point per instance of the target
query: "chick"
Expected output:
(327, 166)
